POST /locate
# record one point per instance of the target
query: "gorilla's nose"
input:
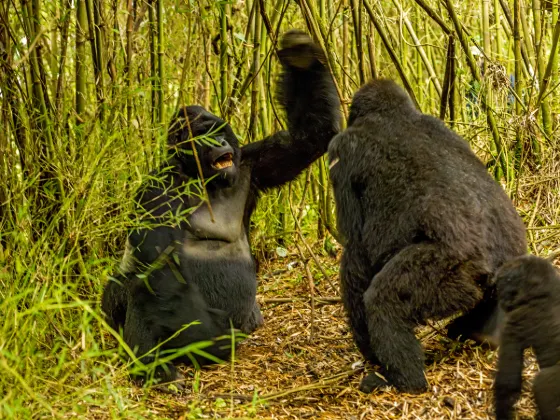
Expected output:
(217, 151)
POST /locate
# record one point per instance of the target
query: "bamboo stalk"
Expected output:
(433, 77)
(62, 59)
(95, 56)
(546, 115)
(345, 55)
(371, 51)
(486, 29)
(255, 75)
(518, 86)
(448, 82)
(552, 64)
(391, 52)
(81, 22)
(509, 20)
(153, 62)
(131, 12)
(160, 67)
(356, 7)
(491, 121)
(223, 56)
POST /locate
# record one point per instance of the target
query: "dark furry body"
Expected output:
(529, 293)
(210, 274)
(425, 228)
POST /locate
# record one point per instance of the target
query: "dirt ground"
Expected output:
(303, 364)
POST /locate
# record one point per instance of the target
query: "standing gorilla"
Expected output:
(529, 293)
(426, 227)
(201, 269)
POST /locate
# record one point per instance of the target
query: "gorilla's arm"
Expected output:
(510, 366)
(308, 94)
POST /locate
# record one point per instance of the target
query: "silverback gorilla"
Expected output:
(425, 228)
(529, 293)
(202, 269)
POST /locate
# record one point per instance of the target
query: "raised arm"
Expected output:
(308, 94)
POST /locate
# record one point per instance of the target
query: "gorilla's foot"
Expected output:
(256, 320)
(165, 378)
(373, 382)
(177, 386)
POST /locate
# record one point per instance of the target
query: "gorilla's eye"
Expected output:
(223, 161)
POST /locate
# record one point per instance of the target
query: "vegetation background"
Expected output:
(87, 88)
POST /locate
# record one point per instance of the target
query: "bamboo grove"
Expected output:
(87, 88)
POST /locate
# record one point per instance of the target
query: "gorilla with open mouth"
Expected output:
(179, 270)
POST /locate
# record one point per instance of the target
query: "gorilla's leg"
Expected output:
(483, 323)
(421, 281)
(176, 308)
(352, 279)
(547, 393)
(142, 335)
(114, 301)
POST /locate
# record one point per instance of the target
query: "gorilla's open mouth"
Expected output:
(224, 161)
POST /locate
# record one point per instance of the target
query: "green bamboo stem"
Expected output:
(486, 29)
(475, 72)
(546, 114)
(153, 63)
(131, 11)
(552, 64)
(160, 65)
(345, 55)
(392, 53)
(448, 82)
(81, 23)
(355, 7)
(427, 63)
(518, 84)
(253, 118)
(223, 57)
(371, 51)
(509, 20)
(95, 42)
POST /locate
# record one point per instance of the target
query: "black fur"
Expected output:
(529, 293)
(425, 228)
(199, 268)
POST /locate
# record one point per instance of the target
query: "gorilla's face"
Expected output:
(213, 139)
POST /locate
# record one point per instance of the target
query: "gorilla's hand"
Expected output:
(298, 50)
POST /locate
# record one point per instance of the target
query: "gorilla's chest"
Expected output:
(215, 229)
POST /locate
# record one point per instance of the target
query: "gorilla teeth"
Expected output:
(334, 162)
(224, 161)
(222, 165)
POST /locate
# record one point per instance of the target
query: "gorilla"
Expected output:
(425, 228)
(529, 293)
(193, 279)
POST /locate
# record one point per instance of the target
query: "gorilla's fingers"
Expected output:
(372, 382)
(299, 50)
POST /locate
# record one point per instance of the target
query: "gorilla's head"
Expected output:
(525, 279)
(380, 96)
(216, 145)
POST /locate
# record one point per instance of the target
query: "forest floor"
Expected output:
(303, 364)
